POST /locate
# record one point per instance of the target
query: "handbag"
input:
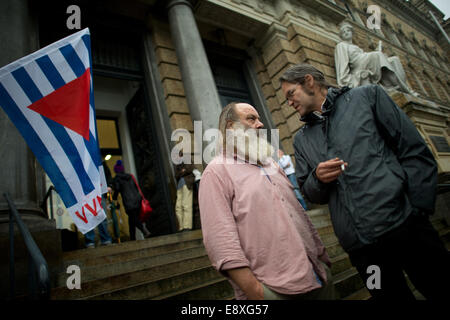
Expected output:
(146, 208)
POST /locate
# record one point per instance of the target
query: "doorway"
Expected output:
(234, 79)
(125, 114)
(149, 166)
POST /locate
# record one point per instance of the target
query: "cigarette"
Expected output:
(342, 167)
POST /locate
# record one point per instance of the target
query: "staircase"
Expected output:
(348, 283)
(346, 279)
(168, 267)
(176, 267)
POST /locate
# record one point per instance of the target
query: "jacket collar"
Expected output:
(332, 96)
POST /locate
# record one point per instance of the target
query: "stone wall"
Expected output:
(297, 33)
(298, 44)
(302, 43)
(269, 64)
(170, 74)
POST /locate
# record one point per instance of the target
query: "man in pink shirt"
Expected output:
(254, 229)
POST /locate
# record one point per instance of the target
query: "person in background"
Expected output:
(184, 204)
(123, 183)
(198, 176)
(285, 163)
(105, 238)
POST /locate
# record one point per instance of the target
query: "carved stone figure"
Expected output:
(354, 67)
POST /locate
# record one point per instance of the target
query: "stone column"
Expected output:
(19, 168)
(20, 174)
(201, 92)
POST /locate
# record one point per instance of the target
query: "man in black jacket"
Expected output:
(359, 153)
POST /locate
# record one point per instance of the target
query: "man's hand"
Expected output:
(330, 170)
(246, 280)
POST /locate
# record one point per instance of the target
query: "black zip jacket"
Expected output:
(124, 183)
(391, 172)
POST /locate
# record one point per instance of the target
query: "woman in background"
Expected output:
(124, 184)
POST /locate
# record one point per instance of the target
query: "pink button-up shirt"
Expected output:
(252, 219)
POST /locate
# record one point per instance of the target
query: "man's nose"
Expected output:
(290, 102)
(259, 124)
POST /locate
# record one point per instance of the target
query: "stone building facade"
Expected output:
(277, 34)
(161, 65)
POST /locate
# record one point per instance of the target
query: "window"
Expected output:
(419, 83)
(389, 31)
(444, 89)
(406, 43)
(432, 92)
(108, 137)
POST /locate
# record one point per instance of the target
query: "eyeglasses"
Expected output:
(291, 92)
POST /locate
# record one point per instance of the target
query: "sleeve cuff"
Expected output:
(228, 265)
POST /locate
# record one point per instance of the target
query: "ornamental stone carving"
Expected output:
(354, 67)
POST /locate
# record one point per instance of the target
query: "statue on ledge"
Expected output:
(354, 67)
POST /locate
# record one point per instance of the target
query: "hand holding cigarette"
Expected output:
(330, 170)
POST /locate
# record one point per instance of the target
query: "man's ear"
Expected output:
(309, 81)
(229, 125)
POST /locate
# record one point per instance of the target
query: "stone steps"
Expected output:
(326, 233)
(334, 249)
(444, 234)
(128, 266)
(134, 254)
(132, 249)
(319, 215)
(113, 283)
(340, 263)
(145, 267)
(166, 286)
(347, 283)
(439, 224)
(329, 239)
(219, 289)
(346, 278)
(321, 220)
(361, 294)
(176, 267)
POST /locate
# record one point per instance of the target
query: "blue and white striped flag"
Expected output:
(48, 95)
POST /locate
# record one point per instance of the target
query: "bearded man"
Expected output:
(255, 231)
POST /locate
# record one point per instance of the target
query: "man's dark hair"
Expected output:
(297, 73)
(228, 114)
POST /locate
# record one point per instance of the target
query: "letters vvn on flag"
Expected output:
(48, 95)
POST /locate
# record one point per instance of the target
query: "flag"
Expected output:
(48, 95)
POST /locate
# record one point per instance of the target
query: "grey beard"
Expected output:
(248, 144)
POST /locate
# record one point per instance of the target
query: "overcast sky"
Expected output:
(443, 5)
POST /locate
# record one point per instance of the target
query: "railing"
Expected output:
(38, 272)
(44, 202)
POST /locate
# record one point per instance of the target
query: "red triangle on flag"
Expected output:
(68, 105)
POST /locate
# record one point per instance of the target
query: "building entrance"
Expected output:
(149, 168)
(234, 78)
